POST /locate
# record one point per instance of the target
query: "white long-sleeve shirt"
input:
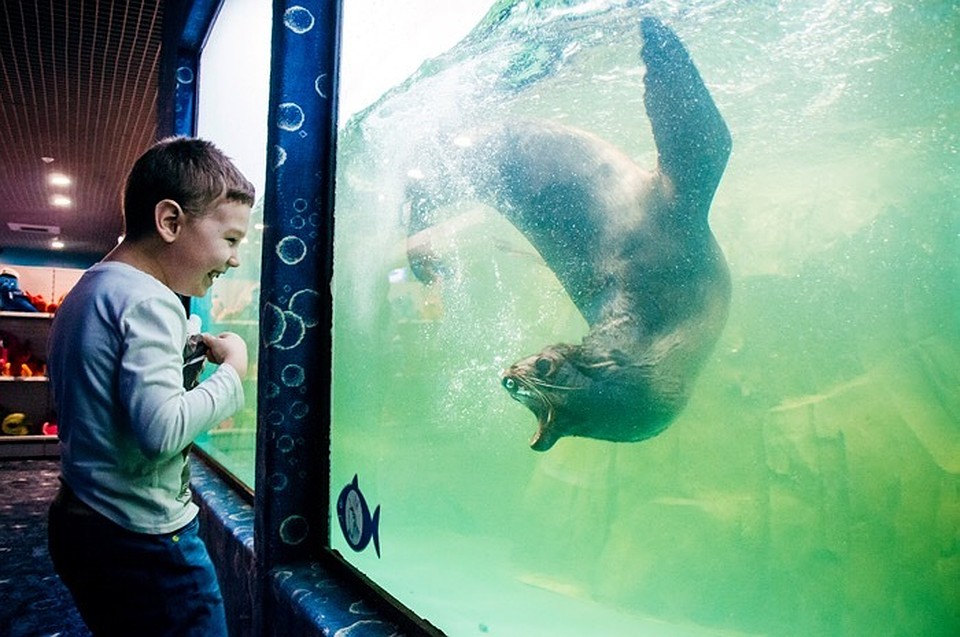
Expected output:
(115, 359)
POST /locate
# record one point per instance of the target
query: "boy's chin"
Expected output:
(196, 290)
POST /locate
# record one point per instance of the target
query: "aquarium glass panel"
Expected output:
(557, 409)
(232, 112)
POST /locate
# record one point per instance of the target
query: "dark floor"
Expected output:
(34, 601)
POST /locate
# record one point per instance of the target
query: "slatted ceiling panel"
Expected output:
(77, 83)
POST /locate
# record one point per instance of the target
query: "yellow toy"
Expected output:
(15, 424)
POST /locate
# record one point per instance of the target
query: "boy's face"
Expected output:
(207, 246)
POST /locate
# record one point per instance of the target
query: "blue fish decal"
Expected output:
(356, 523)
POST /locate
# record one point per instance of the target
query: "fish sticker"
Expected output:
(356, 523)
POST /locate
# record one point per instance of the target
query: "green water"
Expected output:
(812, 485)
(234, 305)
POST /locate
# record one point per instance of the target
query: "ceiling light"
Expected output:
(61, 201)
(56, 244)
(47, 160)
(59, 179)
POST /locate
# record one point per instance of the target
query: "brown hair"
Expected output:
(190, 171)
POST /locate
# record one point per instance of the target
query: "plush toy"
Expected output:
(12, 298)
(41, 304)
(15, 425)
(49, 428)
(16, 359)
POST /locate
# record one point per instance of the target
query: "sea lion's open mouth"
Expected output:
(542, 439)
(526, 393)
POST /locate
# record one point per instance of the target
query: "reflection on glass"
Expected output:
(810, 483)
(235, 63)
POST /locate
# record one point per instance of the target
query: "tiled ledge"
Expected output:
(311, 600)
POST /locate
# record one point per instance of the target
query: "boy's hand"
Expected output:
(227, 348)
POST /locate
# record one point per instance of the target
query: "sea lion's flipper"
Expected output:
(423, 197)
(692, 140)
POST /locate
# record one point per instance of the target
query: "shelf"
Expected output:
(28, 395)
(29, 447)
(26, 315)
(4, 439)
(32, 396)
(32, 328)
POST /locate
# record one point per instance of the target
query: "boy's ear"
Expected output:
(168, 218)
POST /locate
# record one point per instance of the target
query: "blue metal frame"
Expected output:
(293, 404)
(186, 28)
(292, 506)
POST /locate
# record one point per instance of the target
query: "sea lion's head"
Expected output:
(606, 397)
(546, 383)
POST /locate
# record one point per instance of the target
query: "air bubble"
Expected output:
(298, 19)
(291, 250)
(294, 529)
(290, 116)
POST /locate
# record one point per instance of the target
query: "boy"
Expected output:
(123, 530)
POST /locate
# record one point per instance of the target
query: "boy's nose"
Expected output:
(234, 261)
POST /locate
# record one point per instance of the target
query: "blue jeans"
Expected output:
(132, 584)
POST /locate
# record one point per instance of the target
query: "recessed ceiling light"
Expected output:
(56, 244)
(59, 179)
(47, 160)
(61, 201)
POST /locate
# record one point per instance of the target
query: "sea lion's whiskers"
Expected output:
(531, 384)
(543, 383)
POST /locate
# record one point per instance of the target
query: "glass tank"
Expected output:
(593, 376)
(233, 95)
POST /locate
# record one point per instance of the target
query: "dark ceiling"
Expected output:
(78, 84)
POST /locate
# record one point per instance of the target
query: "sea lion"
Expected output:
(631, 247)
